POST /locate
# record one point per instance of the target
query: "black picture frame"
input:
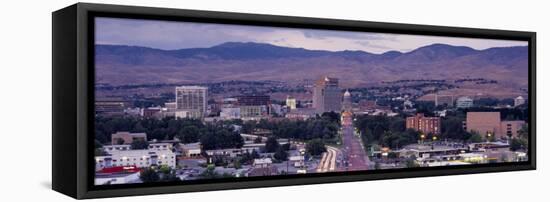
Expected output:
(73, 95)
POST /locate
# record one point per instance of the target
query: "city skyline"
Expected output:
(249, 109)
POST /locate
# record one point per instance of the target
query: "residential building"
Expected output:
(192, 99)
(426, 125)
(327, 96)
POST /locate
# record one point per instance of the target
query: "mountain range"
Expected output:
(122, 65)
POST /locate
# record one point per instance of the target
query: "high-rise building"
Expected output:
(326, 95)
(291, 102)
(427, 125)
(192, 99)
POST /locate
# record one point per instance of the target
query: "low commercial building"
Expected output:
(489, 146)
(232, 152)
(152, 112)
(191, 150)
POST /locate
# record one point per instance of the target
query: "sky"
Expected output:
(169, 35)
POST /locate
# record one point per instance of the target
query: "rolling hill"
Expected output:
(121, 65)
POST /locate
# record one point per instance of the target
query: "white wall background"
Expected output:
(25, 115)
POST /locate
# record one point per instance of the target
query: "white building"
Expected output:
(232, 152)
(138, 158)
(519, 101)
(291, 102)
(230, 113)
(464, 102)
(262, 163)
(407, 104)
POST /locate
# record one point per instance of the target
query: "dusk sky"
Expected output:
(178, 35)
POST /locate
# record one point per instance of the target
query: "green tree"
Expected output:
(139, 144)
(315, 147)
(210, 173)
(149, 175)
(475, 137)
(518, 144)
(189, 134)
(271, 145)
(258, 140)
(523, 133)
(280, 154)
(411, 163)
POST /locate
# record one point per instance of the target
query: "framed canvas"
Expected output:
(156, 100)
